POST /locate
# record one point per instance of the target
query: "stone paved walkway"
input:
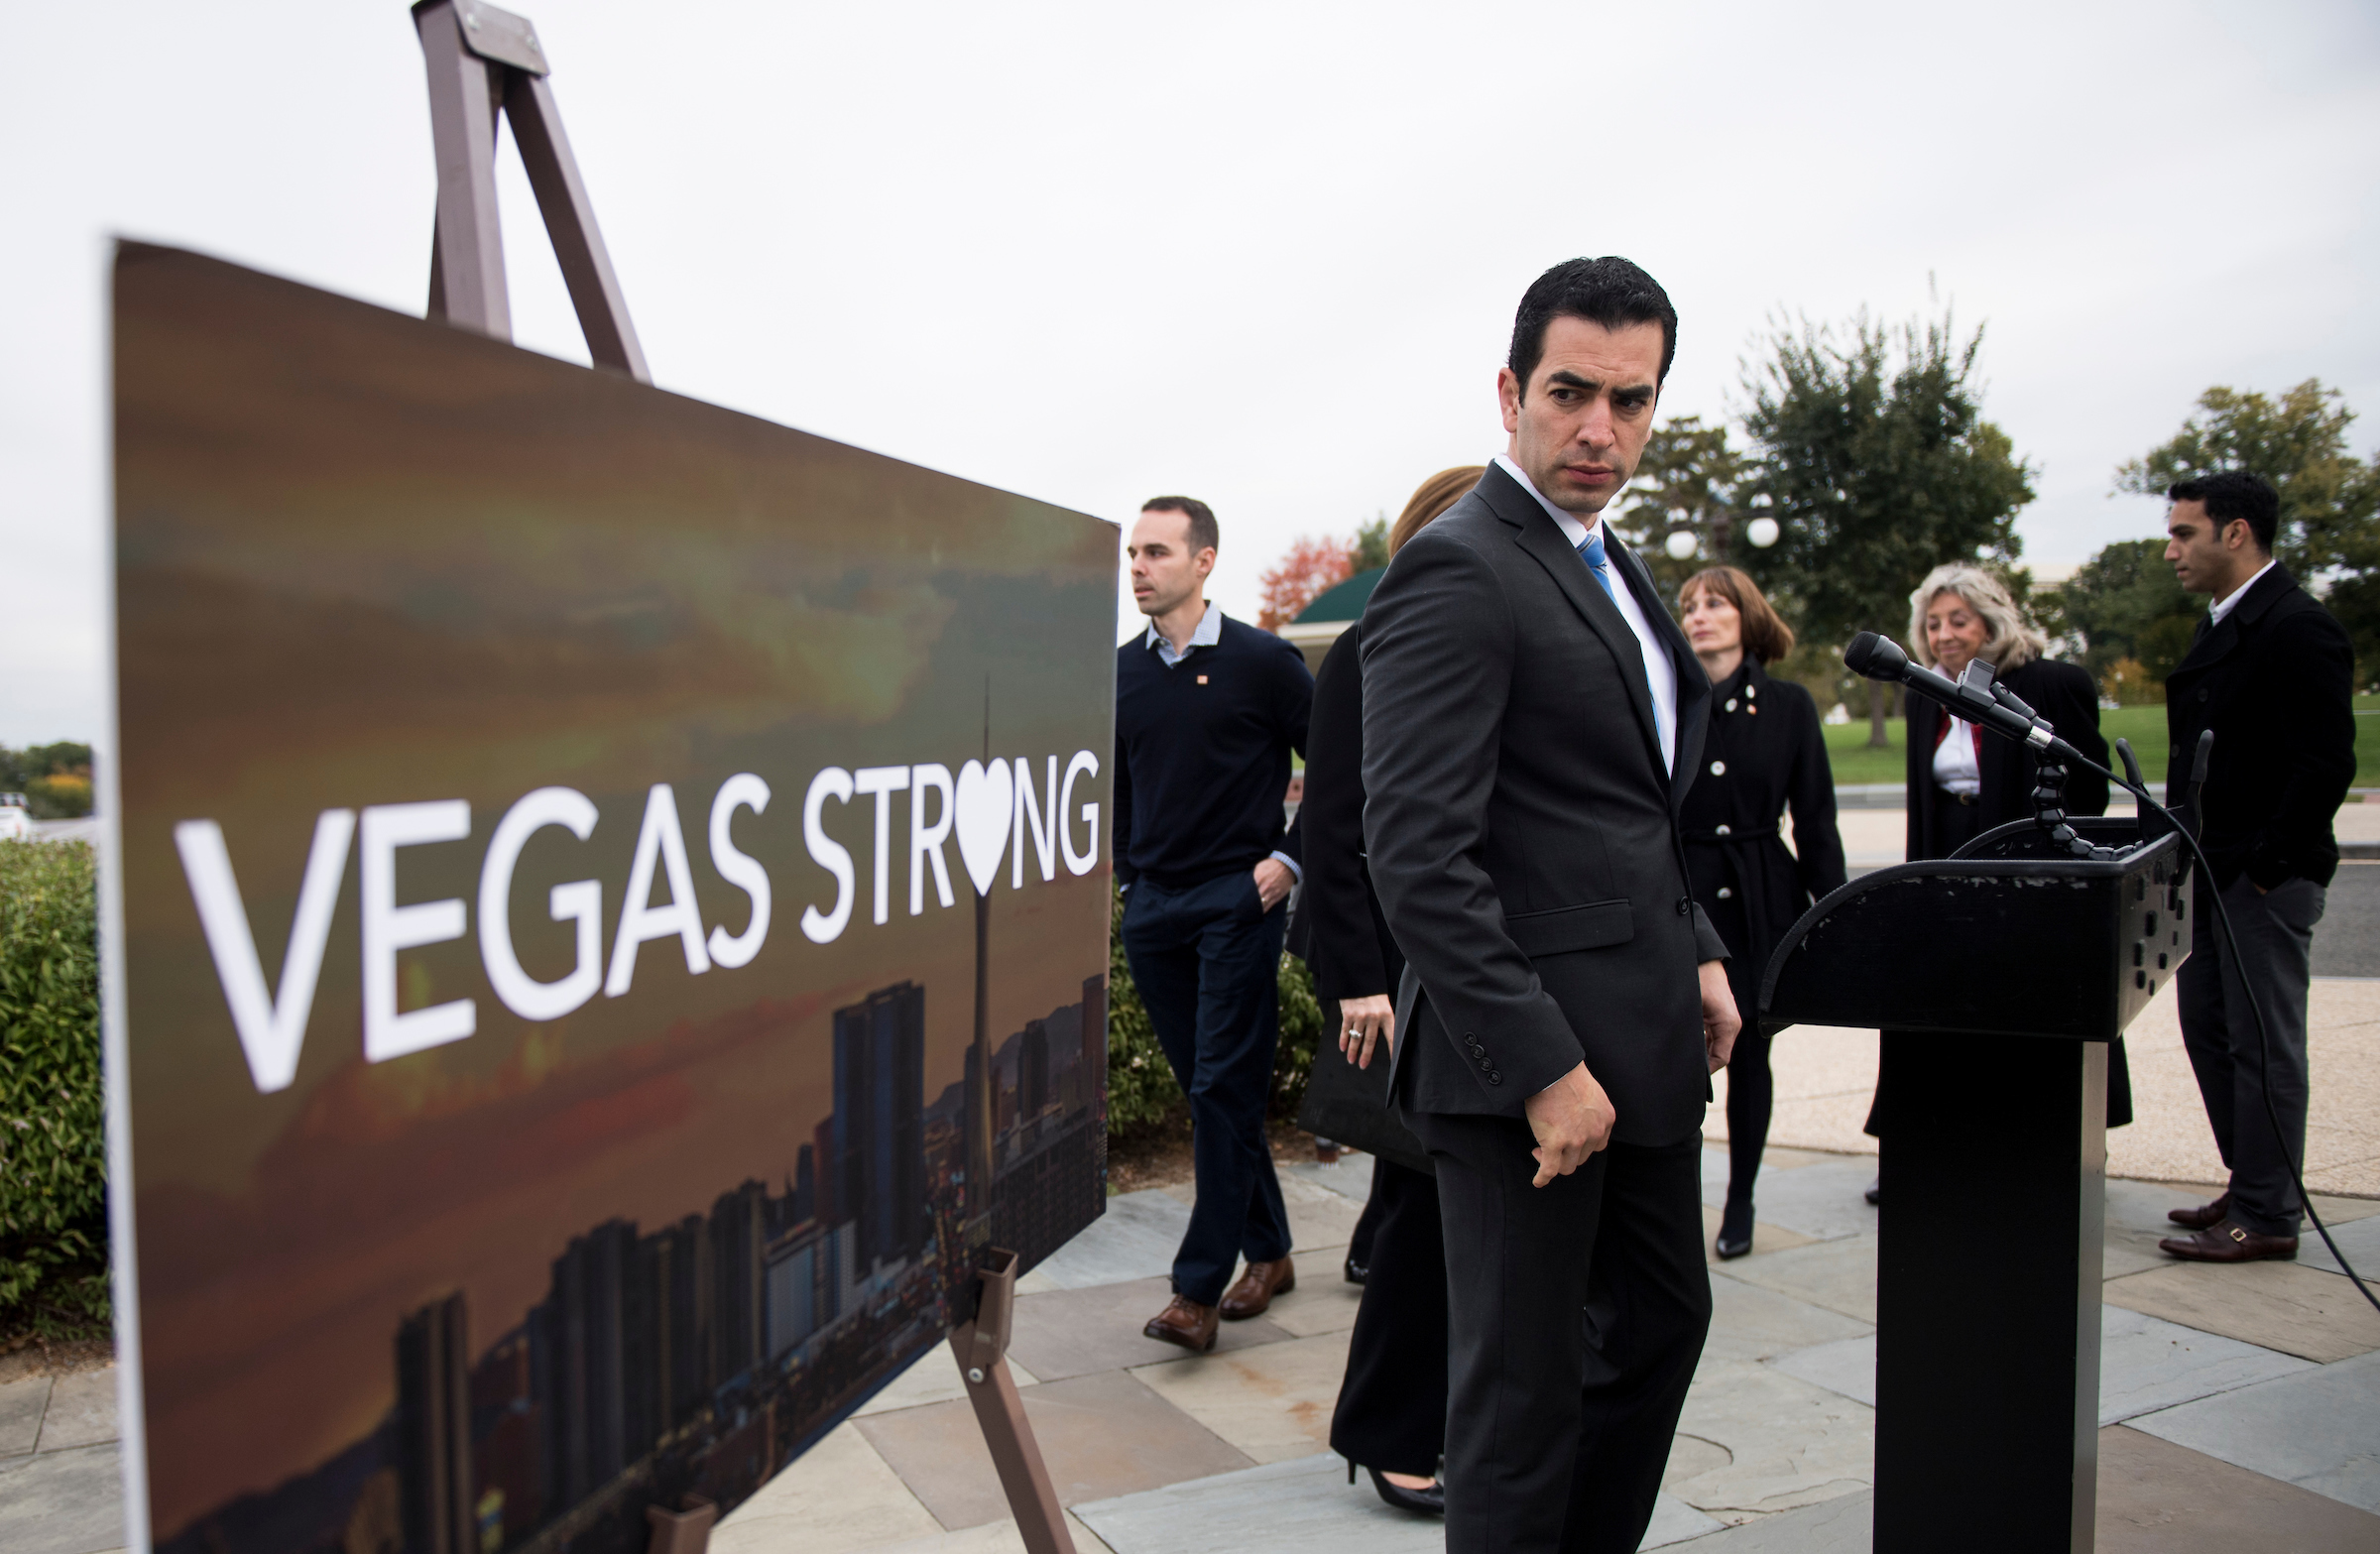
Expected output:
(2238, 1405)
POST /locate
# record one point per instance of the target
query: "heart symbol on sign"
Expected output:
(987, 809)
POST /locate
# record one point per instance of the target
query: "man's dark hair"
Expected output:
(1204, 535)
(2232, 494)
(1610, 290)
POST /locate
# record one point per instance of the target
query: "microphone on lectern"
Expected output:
(1975, 696)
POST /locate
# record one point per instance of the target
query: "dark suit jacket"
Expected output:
(1522, 833)
(1340, 929)
(2064, 695)
(2275, 682)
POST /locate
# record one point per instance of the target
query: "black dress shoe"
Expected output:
(1734, 1231)
(2206, 1217)
(1428, 1502)
(1876, 1192)
(1355, 1271)
(2225, 1241)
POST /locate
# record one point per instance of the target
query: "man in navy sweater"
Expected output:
(1207, 712)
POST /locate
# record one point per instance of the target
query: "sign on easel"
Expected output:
(614, 921)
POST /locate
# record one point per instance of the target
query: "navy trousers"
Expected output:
(1207, 962)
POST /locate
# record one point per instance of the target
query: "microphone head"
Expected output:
(1877, 657)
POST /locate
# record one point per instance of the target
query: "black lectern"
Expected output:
(1998, 977)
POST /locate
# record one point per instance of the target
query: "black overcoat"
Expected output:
(1763, 756)
(2275, 682)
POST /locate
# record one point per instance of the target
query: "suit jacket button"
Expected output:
(1685, 904)
(2202, 693)
(1496, 1078)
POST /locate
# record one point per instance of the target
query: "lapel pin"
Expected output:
(1202, 679)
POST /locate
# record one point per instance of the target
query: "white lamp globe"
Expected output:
(1761, 531)
(1680, 544)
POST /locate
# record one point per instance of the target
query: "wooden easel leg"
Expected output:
(981, 1348)
(467, 274)
(686, 1531)
(570, 222)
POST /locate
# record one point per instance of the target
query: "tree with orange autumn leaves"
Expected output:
(1311, 567)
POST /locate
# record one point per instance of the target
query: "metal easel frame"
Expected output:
(483, 61)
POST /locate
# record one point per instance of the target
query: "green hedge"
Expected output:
(1141, 1092)
(52, 1137)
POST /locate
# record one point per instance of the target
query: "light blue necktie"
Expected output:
(1591, 549)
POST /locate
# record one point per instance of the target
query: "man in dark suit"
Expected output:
(1532, 719)
(2272, 673)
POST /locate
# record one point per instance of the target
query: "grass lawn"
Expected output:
(2144, 727)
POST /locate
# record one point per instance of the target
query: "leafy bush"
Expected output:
(1141, 1092)
(53, 1149)
(56, 780)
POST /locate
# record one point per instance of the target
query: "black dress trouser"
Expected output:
(1391, 1412)
(1575, 1313)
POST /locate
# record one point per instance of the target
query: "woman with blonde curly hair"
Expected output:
(1963, 783)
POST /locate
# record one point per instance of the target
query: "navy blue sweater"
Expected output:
(1202, 756)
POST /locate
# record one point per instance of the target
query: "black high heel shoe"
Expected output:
(1427, 1503)
(1734, 1231)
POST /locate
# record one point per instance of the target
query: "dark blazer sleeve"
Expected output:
(1810, 796)
(1338, 896)
(1439, 641)
(1923, 719)
(2316, 694)
(2064, 695)
(1293, 703)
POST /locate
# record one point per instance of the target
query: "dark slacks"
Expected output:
(2218, 1029)
(1207, 962)
(1575, 1315)
(1391, 1412)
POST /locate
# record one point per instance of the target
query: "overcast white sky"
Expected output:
(1263, 254)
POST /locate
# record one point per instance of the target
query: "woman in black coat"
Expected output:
(1963, 781)
(1763, 756)
(1391, 1413)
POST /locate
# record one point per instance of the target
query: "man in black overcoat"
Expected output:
(2272, 673)
(1532, 719)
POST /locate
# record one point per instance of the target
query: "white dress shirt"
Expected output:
(2223, 607)
(1954, 763)
(1660, 670)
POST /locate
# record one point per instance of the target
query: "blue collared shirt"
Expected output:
(1207, 634)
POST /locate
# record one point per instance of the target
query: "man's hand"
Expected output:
(1572, 1119)
(1364, 1021)
(1721, 1022)
(1274, 881)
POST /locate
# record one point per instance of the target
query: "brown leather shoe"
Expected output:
(1185, 1322)
(2225, 1241)
(2206, 1216)
(1259, 1283)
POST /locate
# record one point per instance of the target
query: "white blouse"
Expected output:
(1955, 760)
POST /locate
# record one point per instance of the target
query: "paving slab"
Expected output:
(2145, 1363)
(1785, 1443)
(2358, 1239)
(2276, 1305)
(1135, 1239)
(2156, 1498)
(21, 1405)
(1100, 1436)
(1350, 1176)
(67, 1501)
(1840, 1275)
(2318, 1429)
(837, 1496)
(993, 1538)
(1319, 1216)
(1823, 1201)
(1272, 1403)
(1748, 1322)
(1306, 1505)
(82, 1411)
(1076, 1332)
(934, 1377)
(1323, 1302)
(1765, 1237)
(1844, 1525)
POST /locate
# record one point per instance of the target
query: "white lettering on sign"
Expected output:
(987, 808)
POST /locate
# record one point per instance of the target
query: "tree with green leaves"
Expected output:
(1372, 545)
(1687, 482)
(2125, 603)
(1870, 442)
(2329, 532)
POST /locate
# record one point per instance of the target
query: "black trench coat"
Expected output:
(1764, 755)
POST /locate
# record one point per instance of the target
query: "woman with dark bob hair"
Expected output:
(1765, 756)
